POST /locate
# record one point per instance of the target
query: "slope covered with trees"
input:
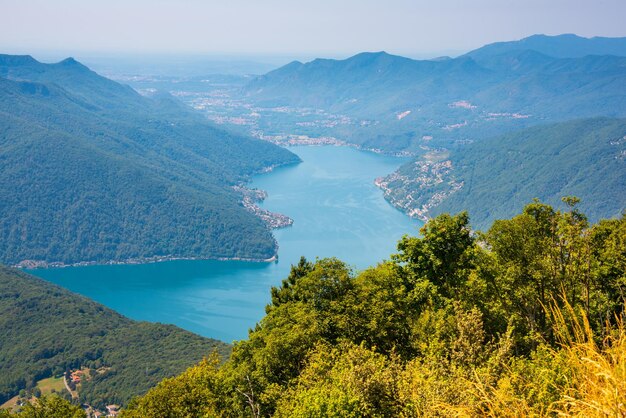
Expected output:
(493, 177)
(46, 330)
(92, 171)
(523, 320)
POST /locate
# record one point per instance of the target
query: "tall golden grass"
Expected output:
(598, 384)
(591, 375)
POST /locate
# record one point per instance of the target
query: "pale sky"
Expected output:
(314, 27)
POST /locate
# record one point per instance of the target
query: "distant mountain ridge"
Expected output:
(92, 171)
(70, 75)
(559, 46)
(500, 87)
(328, 81)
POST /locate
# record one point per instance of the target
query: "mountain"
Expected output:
(445, 112)
(396, 104)
(93, 171)
(46, 330)
(365, 77)
(491, 178)
(560, 46)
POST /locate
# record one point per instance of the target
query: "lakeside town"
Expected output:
(253, 196)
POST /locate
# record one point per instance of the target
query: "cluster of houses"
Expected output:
(112, 411)
(75, 377)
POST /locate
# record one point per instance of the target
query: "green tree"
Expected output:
(283, 293)
(49, 407)
(443, 256)
(195, 393)
(608, 268)
(343, 381)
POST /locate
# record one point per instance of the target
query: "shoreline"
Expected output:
(41, 264)
(281, 221)
(251, 196)
(334, 142)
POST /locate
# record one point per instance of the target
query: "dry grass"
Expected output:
(591, 383)
(598, 385)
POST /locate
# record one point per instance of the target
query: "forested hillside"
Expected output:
(92, 171)
(523, 320)
(46, 330)
(493, 177)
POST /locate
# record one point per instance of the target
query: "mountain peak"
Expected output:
(27, 61)
(294, 64)
(70, 62)
(561, 36)
(376, 58)
(17, 60)
(370, 55)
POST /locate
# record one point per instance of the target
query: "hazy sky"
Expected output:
(312, 27)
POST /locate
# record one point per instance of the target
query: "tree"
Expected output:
(49, 407)
(283, 293)
(443, 256)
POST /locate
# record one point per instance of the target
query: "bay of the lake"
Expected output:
(337, 212)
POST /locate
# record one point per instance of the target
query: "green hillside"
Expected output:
(92, 171)
(493, 177)
(46, 330)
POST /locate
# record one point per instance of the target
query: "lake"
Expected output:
(337, 211)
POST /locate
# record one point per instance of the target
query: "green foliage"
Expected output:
(442, 256)
(193, 394)
(456, 324)
(346, 381)
(47, 407)
(46, 330)
(284, 294)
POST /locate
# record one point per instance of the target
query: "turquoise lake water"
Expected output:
(337, 211)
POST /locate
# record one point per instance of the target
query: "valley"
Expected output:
(398, 106)
(442, 222)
